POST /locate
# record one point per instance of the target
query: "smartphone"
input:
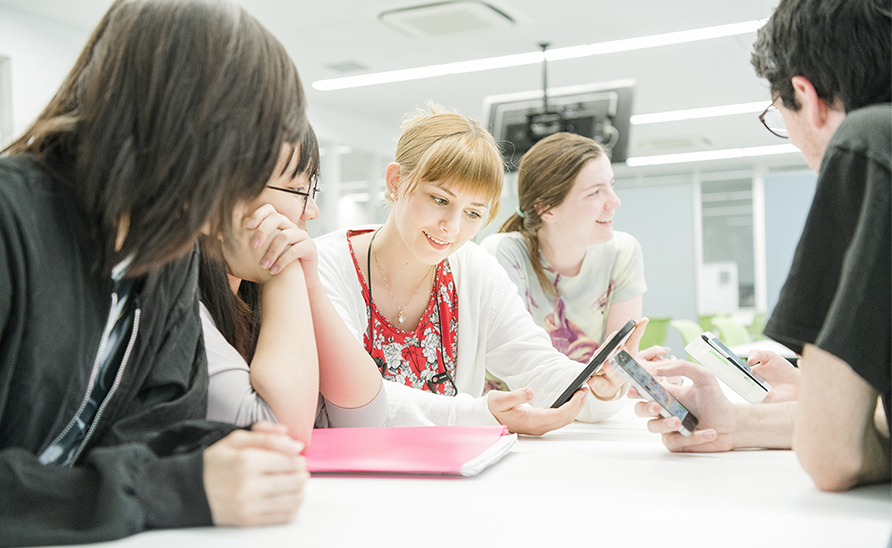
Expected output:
(601, 356)
(736, 373)
(652, 390)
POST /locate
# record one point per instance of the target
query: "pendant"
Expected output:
(401, 319)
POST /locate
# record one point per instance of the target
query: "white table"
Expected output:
(603, 485)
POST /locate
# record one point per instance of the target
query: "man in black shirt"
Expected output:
(827, 62)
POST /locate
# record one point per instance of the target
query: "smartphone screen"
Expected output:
(601, 356)
(648, 387)
(726, 352)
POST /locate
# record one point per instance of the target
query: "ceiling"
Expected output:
(324, 33)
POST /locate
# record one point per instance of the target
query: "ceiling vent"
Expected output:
(443, 18)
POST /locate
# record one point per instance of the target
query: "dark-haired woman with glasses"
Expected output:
(257, 318)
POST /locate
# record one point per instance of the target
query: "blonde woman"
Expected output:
(434, 310)
(578, 278)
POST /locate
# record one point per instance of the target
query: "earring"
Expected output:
(392, 196)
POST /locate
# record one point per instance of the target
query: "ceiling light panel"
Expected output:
(532, 58)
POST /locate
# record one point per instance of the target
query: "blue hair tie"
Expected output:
(520, 213)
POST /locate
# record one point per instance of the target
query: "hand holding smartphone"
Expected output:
(736, 373)
(651, 390)
(601, 356)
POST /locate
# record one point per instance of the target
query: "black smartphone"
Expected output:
(601, 356)
(652, 390)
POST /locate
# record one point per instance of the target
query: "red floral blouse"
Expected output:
(425, 357)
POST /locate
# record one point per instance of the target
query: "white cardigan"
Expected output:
(495, 331)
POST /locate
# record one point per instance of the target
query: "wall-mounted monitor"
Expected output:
(598, 111)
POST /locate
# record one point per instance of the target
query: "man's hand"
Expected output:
(780, 374)
(254, 478)
(508, 408)
(705, 399)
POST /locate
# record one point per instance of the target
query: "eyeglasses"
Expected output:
(773, 121)
(306, 194)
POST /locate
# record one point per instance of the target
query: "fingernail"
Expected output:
(252, 223)
(710, 435)
(265, 263)
(667, 349)
(528, 393)
(274, 270)
(255, 242)
(297, 446)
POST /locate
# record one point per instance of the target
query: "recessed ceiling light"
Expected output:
(532, 58)
(705, 155)
(694, 113)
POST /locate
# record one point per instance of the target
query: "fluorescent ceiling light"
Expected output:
(711, 155)
(533, 58)
(693, 113)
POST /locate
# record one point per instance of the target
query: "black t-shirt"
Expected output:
(837, 295)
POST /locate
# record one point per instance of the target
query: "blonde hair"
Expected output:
(438, 146)
(546, 175)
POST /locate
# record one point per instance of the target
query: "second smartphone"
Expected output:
(652, 390)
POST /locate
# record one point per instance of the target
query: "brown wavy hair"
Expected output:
(544, 178)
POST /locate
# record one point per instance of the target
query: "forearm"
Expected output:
(768, 426)
(284, 369)
(622, 312)
(836, 437)
(347, 375)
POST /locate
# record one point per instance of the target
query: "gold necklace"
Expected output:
(401, 318)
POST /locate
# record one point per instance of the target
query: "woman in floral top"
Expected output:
(578, 278)
(434, 310)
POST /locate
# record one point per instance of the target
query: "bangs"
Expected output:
(473, 164)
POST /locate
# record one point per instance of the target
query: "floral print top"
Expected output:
(425, 357)
(576, 320)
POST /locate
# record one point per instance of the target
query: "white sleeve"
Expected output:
(412, 407)
(520, 353)
(512, 256)
(231, 398)
(338, 276)
(629, 269)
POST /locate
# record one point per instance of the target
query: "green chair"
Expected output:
(689, 329)
(731, 332)
(757, 327)
(655, 334)
(706, 321)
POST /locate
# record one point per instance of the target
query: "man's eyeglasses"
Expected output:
(306, 194)
(773, 121)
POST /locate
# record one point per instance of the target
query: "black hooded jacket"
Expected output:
(141, 466)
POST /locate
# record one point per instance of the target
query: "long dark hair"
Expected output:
(175, 111)
(544, 178)
(237, 315)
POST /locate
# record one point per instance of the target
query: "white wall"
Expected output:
(662, 217)
(40, 55)
(788, 198)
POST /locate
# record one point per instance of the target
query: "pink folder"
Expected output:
(414, 451)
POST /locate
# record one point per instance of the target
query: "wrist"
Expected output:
(619, 393)
(745, 429)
